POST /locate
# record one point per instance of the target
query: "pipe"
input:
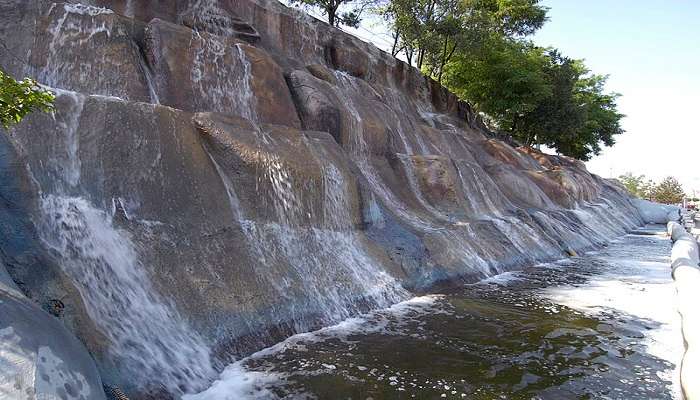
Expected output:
(686, 274)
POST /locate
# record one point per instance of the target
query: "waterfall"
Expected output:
(144, 331)
(148, 76)
(64, 161)
(409, 169)
(359, 153)
(461, 243)
(132, 211)
(129, 9)
(68, 34)
(329, 266)
(207, 15)
(221, 77)
(483, 195)
(324, 271)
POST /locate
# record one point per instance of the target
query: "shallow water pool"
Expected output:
(598, 326)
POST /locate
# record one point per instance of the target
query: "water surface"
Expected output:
(598, 326)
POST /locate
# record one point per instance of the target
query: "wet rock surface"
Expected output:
(219, 175)
(39, 357)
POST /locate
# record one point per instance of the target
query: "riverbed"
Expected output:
(601, 325)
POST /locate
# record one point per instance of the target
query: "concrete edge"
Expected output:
(686, 275)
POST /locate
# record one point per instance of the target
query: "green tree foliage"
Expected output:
(637, 185)
(19, 98)
(339, 12)
(479, 50)
(431, 32)
(576, 116)
(504, 79)
(668, 191)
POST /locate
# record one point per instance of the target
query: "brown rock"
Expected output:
(321, 72)
(204, 72)
(347, 56)
(317, 104)
(76, 47)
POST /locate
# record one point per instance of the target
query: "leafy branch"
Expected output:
(20, 98)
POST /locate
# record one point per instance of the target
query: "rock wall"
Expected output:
(39, 357)
(221, 174)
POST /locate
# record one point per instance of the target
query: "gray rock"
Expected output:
(39, 357)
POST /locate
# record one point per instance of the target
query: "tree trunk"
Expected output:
(446, 60)
(332, 11)
(394, 50)
(443, 60)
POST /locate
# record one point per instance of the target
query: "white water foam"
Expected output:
(239, 383)
(68, 34)
(637, 287)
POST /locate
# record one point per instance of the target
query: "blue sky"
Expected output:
(651, 49)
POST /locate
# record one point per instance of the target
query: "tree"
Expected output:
(432, 32)
(668, 191)
(19, 98)
(538, 96)
(577, 116)
(479, 50)
(504, 78)
(637, 185)
(333, 10)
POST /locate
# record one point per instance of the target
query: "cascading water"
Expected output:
(68, 34)
(324, 272)
(359, 153)
(129, 9)
(309, 242)
(145, 333)
(221, 77)
(456, 248)
(474, 247)
(480, 187)
(208, 15)
(148, 76)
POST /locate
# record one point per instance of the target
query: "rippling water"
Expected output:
(599, 326)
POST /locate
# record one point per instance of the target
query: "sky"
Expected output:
(651, 51)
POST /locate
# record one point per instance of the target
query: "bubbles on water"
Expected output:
(497, 339)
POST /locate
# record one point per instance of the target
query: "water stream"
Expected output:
(325, 272)
(599, 326)
(221, 77)
(144, 331)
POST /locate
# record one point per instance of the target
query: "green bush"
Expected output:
(19, 98)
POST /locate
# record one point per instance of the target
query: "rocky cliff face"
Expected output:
(220, 174)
